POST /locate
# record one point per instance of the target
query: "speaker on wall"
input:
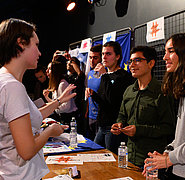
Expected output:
(121, 7)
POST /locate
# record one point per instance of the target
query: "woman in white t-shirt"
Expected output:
(57, 85)
(21, 141)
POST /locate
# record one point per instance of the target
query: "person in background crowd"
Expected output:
(41, 84)
(146, 116)
(48, 70)
(67, 55)
(173, 83)
(57, 85)
(77, 77)
(93, 83)
(58, 54)
(109, 95)
(21, 142)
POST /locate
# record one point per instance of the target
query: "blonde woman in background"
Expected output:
(57, 85)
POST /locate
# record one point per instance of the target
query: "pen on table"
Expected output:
(63, 125)
(46, 125)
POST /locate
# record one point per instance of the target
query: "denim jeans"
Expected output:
(108, 140)
(93, 128)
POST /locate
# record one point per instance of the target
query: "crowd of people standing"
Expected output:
(113, 106)
(128, 107)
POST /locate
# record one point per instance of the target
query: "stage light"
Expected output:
(71, 5)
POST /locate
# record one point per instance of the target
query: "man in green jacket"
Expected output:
(146, 116)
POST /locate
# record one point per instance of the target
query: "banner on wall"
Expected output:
(85, 45)
(111, 36)
(124, 41)
(155, 30)
(74, 52)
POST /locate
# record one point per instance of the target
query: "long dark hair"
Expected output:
(58, 72)
(174, 82)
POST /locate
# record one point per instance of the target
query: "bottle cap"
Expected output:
(122, 143)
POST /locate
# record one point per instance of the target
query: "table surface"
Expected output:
(99, 170)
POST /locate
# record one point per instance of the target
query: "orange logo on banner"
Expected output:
(154, 29)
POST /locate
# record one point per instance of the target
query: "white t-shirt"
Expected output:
(14, 102)
(66, 107)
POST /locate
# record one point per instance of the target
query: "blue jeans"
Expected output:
(108, 140)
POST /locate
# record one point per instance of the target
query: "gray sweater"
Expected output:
(177, 156)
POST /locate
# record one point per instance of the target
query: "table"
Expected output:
(100, 170)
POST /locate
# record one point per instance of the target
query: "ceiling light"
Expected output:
(71, 5)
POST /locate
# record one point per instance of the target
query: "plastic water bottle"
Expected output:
(96, 74)
(122, 156)
(151, 175)
(73, 133)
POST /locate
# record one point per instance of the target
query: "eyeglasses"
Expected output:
(136, 61)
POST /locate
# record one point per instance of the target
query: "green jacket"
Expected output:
(152, 114)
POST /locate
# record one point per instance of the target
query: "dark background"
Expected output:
(56, 27)
(139, 12)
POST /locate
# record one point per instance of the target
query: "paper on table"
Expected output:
(124, 178)
(63, 160)
(61, 177)
(102, 157)
(56, 147)
(80, 138)
(66, 136)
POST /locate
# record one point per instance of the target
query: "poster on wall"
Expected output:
(111, 36)
(85, 45)
(74, 52)
(155, 30)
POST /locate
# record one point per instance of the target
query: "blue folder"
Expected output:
(87, 146)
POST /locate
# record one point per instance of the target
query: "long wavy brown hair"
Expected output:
(174, 82)
(58, 72)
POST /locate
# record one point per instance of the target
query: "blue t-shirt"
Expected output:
(93, 83)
